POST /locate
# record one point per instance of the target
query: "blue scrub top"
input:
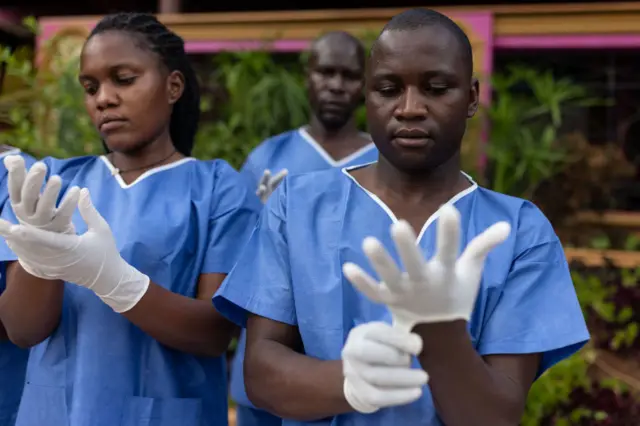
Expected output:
(173, 223)
(291, 272)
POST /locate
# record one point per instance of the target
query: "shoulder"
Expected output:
(280, 139)
(530, 227)
(274, 143)
(311, 192)
(215, 170)
(221, 180)
(317, 179)
(67, 168)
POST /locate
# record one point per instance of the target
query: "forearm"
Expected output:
(30, 307)
(182, 323)
(459, 377)
(292, 385)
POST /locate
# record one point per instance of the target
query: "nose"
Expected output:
(106, 97)
(335, 83)
(412, 106)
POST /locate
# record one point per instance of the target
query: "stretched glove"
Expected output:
(34, 209)
(90, 260)
(440, 290)
(269, 183)
(376, 361)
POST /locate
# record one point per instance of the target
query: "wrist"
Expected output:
(439, 337)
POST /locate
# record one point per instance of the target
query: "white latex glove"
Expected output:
(269, 183)
(376, 361)
(39, 210)
(439, 290)
(90, 260)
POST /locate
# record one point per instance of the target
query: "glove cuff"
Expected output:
(132, 287)
(351, 396)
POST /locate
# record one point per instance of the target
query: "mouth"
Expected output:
(334, 106)
(412, 138)
(111, 124)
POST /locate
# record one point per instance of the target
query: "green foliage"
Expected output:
(526, 115)
(254, 98)
(614, 326)
(554, 387)
(46, 112)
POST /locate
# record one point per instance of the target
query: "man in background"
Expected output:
(335, 79)
(335, 82)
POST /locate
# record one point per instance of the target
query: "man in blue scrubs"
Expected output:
(335, 79)
(453, 341)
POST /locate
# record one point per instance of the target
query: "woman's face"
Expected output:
(129, 94)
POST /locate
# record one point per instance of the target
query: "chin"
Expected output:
(331, 121)
(123, 143)
(411, 162)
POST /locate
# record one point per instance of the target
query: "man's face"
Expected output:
(419, 95)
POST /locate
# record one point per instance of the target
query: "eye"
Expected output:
(438, 89)
(90, 89)
(125, 80)
(387, 89)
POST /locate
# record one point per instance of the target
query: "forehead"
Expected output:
(336, 54)
(112, 49)
(431, 49)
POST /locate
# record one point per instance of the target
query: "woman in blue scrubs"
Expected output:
(124, 332)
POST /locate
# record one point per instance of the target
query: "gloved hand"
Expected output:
(90, 260)
(269, 183)
(376, 361)
(39, 210)
(440, 290)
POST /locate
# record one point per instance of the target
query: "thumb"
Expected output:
(92, 218)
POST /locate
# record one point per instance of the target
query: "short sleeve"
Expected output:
(234, 212)
(260, 283)
(538, 311)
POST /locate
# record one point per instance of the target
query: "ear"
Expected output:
(175, 86)
(474, 98)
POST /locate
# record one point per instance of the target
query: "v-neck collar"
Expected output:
(144, 175)
(328, 158)
(390, 213)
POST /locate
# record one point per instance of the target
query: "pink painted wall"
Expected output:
(586, 41)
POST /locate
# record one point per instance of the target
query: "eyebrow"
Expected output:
(112, 68)
(429, 74)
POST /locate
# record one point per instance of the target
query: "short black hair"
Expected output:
(159, 39)
(418, 18)
(345, 37)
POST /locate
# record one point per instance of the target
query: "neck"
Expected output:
(435, 186)
(345, 134)
(148, 155)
